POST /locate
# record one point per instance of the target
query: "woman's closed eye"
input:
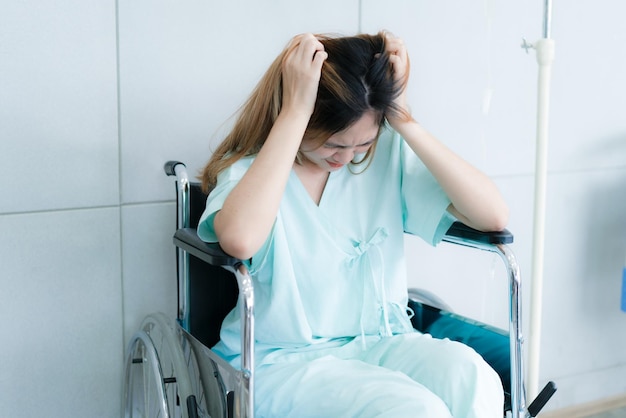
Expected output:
(363, 146)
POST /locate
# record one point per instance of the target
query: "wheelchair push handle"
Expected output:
(170, 167)
(186, 237)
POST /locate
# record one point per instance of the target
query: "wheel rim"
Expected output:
(161, 364)
(145, 394)
(165, 336)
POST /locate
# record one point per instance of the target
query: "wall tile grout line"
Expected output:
(119, 177)
(84, 208)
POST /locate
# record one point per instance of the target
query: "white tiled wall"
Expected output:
(96, 96)
(60, 260)
(186, 69)
(149, 258)
(463, 53)
(60, 304)
(58, 103)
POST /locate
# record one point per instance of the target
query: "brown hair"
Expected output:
(356, 77)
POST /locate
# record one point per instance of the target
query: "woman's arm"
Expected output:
(249, 211)
(475, 199)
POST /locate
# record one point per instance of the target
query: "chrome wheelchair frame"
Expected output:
(185, 373)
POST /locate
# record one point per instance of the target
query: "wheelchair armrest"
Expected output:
(464, 232)
(212, 253)
(187, 239)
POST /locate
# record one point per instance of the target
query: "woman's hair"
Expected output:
(357, 77)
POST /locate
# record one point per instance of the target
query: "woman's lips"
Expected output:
(334, 165)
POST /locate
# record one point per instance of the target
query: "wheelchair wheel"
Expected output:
(194, 366)
(144, 387)
(207, 379)
(157, 382)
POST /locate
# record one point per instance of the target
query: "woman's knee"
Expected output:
(476, 370)
(453, 371)
(475, 389)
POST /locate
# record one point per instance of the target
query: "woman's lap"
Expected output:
(333, 387)
(409, 375)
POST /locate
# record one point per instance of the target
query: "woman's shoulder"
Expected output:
(390, 134)
(388, 147)
(236, 170)
(389, 141)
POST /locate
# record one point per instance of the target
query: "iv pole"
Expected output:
(545, 55)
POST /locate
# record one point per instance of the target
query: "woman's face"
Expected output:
(341, 148)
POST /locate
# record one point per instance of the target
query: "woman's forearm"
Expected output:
(475, 199)
(249, 211)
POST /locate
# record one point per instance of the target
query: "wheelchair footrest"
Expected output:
(542, 399)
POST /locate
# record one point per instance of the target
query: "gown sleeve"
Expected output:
(424, 202)
(226, 181)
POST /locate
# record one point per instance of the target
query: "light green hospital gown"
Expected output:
(330, 284)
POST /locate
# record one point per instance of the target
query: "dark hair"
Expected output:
(357, 77)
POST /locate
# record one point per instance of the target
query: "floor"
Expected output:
(616, 413)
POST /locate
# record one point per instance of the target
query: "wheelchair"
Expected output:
(171, 371)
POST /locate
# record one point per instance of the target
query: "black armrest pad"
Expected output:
(212, 253)
(460, 230)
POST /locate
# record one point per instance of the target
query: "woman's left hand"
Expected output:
(399, 60)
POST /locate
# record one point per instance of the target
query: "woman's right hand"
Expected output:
(302, 69)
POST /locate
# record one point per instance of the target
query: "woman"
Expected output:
(322, 174)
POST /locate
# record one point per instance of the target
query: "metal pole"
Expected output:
(545, 56)
(547, 18)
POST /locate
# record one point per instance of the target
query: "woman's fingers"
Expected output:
(319, 57)
(302, 71)
(305, 50)
(398, 56)
(399, 61)
(307, 47)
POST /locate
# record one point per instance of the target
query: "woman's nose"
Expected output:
(344, 156)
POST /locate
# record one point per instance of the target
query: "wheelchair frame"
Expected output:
(238, 390)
